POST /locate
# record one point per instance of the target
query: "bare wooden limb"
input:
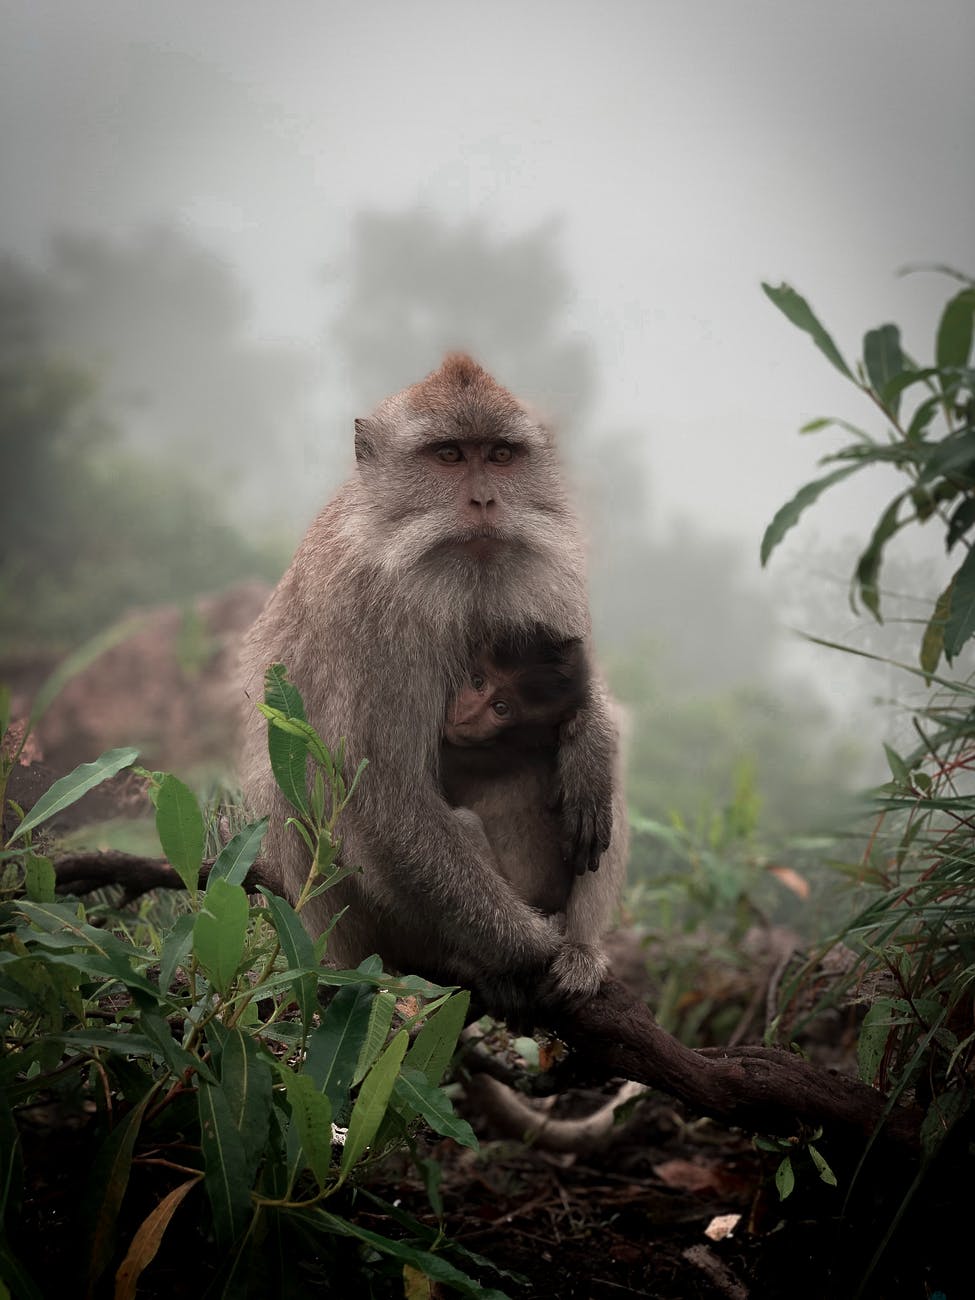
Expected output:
(80, 873)
(615, 1036)
(756, 1088)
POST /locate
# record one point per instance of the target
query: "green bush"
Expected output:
(220, 1092)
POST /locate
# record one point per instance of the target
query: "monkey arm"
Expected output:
(587, 761)
(434, 868)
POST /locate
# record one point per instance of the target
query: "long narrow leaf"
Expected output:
(147, 1240)
(70, 788)
(795, 307)
(884, 362)
(245, 1075)
(435, 1044)
(434, 1106)
(237, 856)
(298, 951)
(788, 515)
(868, 566)
(960, 624)
(334, 1047)
(226, 1164)
(288, 754)
(431, 1265)
(311, 1114)
(220, 933)
(106, 1187)
(371, 1103)
(954, 343)
(179, 825)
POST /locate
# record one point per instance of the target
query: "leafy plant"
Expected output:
(913, 928)
(932, 442)
(209, 1068)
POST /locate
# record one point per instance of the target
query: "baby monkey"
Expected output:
(498, 761)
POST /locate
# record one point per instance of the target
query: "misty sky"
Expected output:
(688, 150)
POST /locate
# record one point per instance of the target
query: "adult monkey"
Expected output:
(454, 533)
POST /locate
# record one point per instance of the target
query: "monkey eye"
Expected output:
(501, 454)
(500, 708)
(449, 453)
(477, 681)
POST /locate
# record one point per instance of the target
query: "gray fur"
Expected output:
(376, 620)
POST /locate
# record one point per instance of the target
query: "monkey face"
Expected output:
(455, 468)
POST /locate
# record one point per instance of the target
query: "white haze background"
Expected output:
(681, 152)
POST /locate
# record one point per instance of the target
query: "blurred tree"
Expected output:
(89, 528)
(418, 287)
(161, 323)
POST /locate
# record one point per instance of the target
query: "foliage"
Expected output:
(931, 443)
(706, 893)
(90, 528)
(211, 1071)
(913, 928)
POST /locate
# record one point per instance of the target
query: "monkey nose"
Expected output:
(484, 506)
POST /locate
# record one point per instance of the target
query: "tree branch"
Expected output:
(761, 1089)
(757, 1088)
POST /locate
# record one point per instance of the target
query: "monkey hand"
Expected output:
(576, 974)
(584, 802)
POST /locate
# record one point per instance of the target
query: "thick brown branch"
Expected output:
(756, 1088)
(760, 1089)
(80, 873)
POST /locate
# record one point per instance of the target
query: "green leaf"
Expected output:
(785, 1179)
(795, 307)
(932, 643)
(962, 519)
(788, 515)
(334, 1047)
(942, 1115)
(220, 932)
(433, 1266)
(238, 855)
(225, 1164)
(898, 768)
(949, 456)
(4, 709)
(298, 950)
(70, 788)
(180, 1061)
(11, 1165)
(960, 624)
(874, 1032)
(434, 1106)
(175, 949)
(371, 1103)
(107, 1183)
(380, 1020)
(288, 753)
(884, 362)
(822, 1168)
(39, 878)
(435, 1044)
(246, 1078)
(868, 565)
(179, 825)
(311, 1114)
(954, 344)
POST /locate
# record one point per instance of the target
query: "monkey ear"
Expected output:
(364, 449)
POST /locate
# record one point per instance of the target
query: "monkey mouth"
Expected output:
(481, 544)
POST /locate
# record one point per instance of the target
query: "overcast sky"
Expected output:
(689, 150)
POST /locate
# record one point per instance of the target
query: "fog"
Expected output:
(588, 195)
